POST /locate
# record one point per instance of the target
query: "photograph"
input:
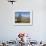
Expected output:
(23, 17)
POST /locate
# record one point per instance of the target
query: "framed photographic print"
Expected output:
(23, 17)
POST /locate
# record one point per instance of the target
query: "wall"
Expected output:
(7, 12)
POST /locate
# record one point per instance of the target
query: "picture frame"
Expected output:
(23, 17)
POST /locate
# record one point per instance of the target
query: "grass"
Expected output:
(23, 20)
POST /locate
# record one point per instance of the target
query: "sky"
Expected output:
(24, 14)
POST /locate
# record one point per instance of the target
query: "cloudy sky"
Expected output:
(24, 14)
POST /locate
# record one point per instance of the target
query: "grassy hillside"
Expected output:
(22, 20)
